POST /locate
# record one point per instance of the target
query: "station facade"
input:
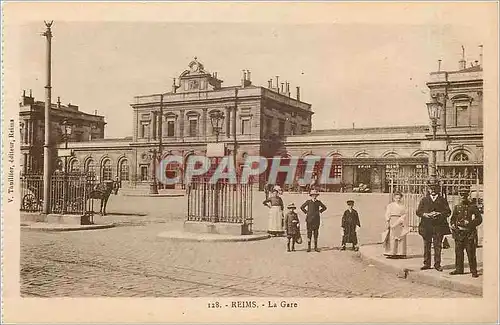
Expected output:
(269, 121)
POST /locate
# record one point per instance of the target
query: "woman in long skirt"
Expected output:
(397, 226)
(276, 219)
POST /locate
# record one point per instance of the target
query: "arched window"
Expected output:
(59, 165)
(461, 156)
(124, 170)
(74, 166)
(107, 174)
(90, 166)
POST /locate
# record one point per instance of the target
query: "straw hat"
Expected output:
(291, 206)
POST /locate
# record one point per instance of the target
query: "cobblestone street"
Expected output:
(130, 260)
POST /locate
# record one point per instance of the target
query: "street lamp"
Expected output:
(66, 129)
(216, 118)
(434, 109)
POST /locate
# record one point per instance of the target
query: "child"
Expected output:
(292, 225)
(350, 220)
(313, 209)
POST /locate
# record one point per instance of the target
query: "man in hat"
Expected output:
(464, 221)
(313, 208)
(350, 220)
(433, 211)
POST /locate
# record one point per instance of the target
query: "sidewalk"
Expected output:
(409, 268)
(44, 226)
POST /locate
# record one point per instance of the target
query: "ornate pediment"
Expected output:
(196, 78)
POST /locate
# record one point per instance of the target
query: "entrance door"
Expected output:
(363, 176)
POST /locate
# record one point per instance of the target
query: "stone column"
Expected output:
(228, 122)
(181, 123)
(26, 123)
(204, 121)
(153, 125)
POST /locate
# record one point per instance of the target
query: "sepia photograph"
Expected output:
(257, 166)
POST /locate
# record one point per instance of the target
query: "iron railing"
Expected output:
(219, 202)
(414, 188)
(69, 192)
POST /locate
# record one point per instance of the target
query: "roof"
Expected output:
(372, 130)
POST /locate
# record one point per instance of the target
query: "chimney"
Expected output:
(282, 87)
(215, 74)
(298, 94)
(353, 126)
(439, 65)
(462, 64)
(270, 83)
(174, 87)
(24, 93)
(476, 62)
(277, 83)
(248, 76)
(288, 88)
(481, 55)
(58, 102)
(95, 112)
(31, 93)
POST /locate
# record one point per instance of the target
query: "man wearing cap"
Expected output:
(464, 221)
(433, 211)
(313, 208)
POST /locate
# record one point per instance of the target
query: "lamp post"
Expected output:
(47, 150)
(434, 109)
(216, 118)
(153, 186)
(66, 129)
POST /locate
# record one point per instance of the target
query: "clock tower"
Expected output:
(196, 78)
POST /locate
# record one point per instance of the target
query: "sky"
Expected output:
(366, 74)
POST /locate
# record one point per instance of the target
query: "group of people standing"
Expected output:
(279, 223)
(433, 211)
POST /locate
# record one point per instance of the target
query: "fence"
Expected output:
(220, 202)
(69, 193)
(414, 188)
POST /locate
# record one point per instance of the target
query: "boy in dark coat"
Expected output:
(292, 225)
(313, 208)
(350, 220)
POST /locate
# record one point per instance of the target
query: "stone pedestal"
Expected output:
(220, 228)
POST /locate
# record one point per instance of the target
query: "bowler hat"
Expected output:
(350, 201)
(313, 192)
(291, 206)
(464, 191)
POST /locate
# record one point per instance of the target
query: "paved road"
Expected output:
(131, 261)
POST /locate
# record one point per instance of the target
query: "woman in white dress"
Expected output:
(396, 218)
(276, 218)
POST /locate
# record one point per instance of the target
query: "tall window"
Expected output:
(106, 170)
(144, 173)
(74, 166)
(336, 171)
(142, 131)
(269, 125)
(124, 170)
(245, 126)
(281, 130)
(170, 128)
(193, 127)
(462, 114)
(90, 166)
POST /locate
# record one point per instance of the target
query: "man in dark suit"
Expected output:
(433, 211)
(464, 221)
(313, 208)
